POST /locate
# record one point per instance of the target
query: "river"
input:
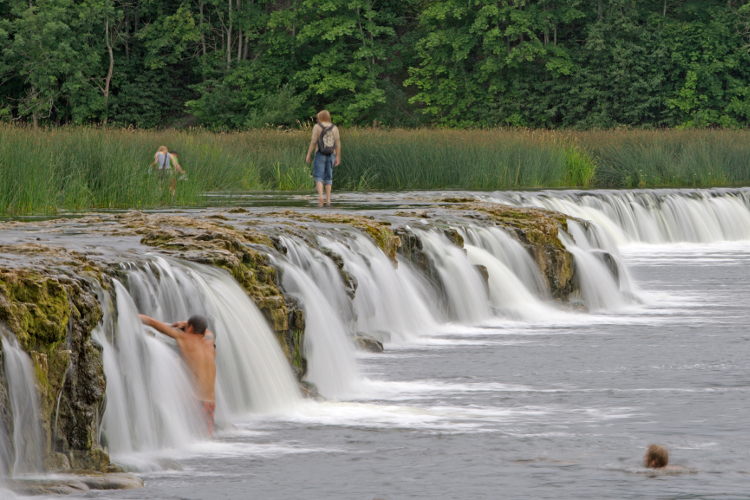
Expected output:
(559, 404)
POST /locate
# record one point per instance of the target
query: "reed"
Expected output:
(74, 168)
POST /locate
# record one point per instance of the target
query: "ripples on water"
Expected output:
(521, 410)
(557, 408)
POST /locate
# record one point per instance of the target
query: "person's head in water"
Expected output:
(323, 116)
(656, 457)
(197, 324)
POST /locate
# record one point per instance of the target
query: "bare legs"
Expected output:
(319, 187)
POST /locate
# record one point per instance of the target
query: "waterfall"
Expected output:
(149, 398)
(313, 279)
(150, 402)
(389, 300)
(21, 449)
(605, 282)
(465, 292)
(650, 215)
(508, 294)
(252, 373)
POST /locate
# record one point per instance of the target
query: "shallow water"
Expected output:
(520, 410)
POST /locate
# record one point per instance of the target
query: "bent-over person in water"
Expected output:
(196, 344)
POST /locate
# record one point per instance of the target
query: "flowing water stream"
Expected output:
(484, 390)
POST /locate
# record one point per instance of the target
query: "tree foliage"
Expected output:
(231, 64)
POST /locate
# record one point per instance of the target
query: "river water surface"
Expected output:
(551, 410)
(563, 407)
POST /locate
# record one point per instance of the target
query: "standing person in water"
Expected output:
(197, 347)
(325, 137)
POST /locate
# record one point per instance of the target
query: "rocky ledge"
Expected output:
(75, 484)
(48, 295)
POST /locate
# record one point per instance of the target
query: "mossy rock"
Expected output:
(49, 305)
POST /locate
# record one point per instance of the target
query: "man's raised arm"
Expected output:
(162, 327)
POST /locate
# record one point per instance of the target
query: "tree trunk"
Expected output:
(555, 42)
(229, 36)
(239, 34)
(35, 113)
(203, 35)
(244, 49)
(665, 9)
(108, 80)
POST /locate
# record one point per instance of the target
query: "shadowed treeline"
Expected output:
(77, 168)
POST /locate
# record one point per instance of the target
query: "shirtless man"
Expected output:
(197, 347)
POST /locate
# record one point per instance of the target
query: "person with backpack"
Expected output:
(325, 136)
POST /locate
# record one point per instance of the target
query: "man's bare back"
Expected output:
(197, 351)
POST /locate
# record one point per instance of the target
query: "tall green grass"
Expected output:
(75, 168)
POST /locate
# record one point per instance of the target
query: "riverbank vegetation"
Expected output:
(75, 168)
(234, 64)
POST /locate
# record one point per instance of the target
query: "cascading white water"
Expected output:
(510, 252)
(650, 215)
(252, 374)
(388, 299)
(508, 294)
(21, 450)
(314, 280)
(465, 292)
(149, 398)
(150, 401)
(605, 283)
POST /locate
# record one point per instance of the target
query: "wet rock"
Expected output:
(116, 481)
(485, 277)
(72, 484)
(48, 487)
(379, 231)
(350, 281)
(454, 236)
(309, 390)
(412, 250)
(237, 210)
(49, 304)
(367, 343)
(244, 253)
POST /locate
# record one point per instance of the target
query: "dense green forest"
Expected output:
(240, 64)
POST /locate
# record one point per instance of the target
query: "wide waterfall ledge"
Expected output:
(292, 296)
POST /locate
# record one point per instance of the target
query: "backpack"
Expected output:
(326, 145)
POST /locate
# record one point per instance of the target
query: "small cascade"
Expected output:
(510, 252)
(315, 281)
(605, 283)
(464, 289)
(21, 449)
(149, 398)
(390, 302)
(252, 373)
(650, 215)
(508, 294)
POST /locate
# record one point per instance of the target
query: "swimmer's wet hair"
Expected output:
(199, 323)
(656, 456)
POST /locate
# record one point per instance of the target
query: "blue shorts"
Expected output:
(323, 168)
